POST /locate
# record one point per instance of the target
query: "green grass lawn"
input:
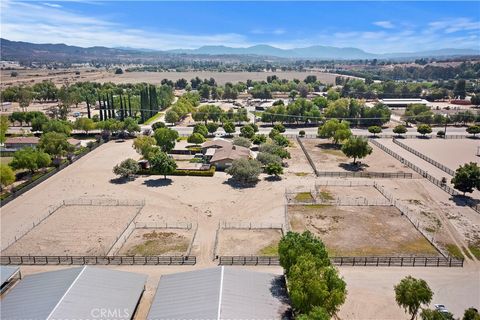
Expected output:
(155, 117)
(304, 197)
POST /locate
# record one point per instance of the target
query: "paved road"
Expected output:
(265, 130)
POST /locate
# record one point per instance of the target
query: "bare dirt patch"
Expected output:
(449, 152)
(298, 163)
(329, 157)
(75, 230)
(156, 242)
(361, 231)
(241, 242)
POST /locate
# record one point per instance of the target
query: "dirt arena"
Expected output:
(241, 242)
(361, 230)
(75, 230)
(449, 152)
(156, 242)
(328, 157)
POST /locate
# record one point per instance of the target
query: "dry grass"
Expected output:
(454, 251)
(158, 243)
(270, 250)
(304, 197)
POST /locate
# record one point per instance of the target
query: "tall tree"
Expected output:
(161, 163)
(467, 178)
(356, 147)
(411, 294)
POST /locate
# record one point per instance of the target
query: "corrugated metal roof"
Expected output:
(6, 272)
(213, 294)
(187, 295)
(76, 293)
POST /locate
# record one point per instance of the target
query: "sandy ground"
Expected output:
(298, 163)
(167, 242)
(246, 242)
(209, 200)
(75, 230)
(424, 165)
(361, 231)
(449, 152)
(328, 158)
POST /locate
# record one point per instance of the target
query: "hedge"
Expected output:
(199, 173)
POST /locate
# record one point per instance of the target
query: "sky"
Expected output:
(377, 27)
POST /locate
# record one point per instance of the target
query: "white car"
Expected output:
(441, 308)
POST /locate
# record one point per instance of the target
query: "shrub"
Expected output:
(196, 138)
(301, 133)
(281, 140)
(279, 127)
(243, 142)
(245, 170)
(201, 128)
(266, 158)
(126, 168)
(247, 131)
(259, 139)
(441, 133)
(158, 125)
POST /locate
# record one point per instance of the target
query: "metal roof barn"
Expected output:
(7, 276)
(76, 293)
(220, 293)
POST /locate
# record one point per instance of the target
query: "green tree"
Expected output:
(429, 314)
(317, 313)
(274, 148)
(400, 129)
(281, 140)
(460, 89)
(58, 126)
(161, 163)
(126, 169)
(467, 178)
(274, 168)
(7, 176)
(171, 117)
(245, 170)
(4, 124)
(229, 127)
(24, 97)
(471, 314)
(335, 130)
(247, 132)
(279, 127)
(475, 129)
(423, 129)
(18, 117)
(130, 125)
(374, 130)
(259, 139)
(212, 127)
(265, 158)
(84, 124)
(311, 286)
(201, 129)
(411, 293)
(158, 125)
(165, 138)
(356, 147)
(144, 145)
(196, 138)
(241, 141)
(30, 159)
(55, 144)
(293, 245)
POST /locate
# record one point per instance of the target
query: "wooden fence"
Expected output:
(97, 260)
(351, 261)
(397, 261)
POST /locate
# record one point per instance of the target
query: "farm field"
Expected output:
(361, 230)
(62, 76)
(241, 242)
(75, 230)
(449, 152)
(328, 157)
(156, 242)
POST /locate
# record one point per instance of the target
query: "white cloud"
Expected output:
(53, 5)
(45, 24)
(384, 24)
(39, 23)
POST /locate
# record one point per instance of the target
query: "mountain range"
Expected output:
(16, 50)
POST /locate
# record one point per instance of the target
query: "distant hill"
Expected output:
(25, 51)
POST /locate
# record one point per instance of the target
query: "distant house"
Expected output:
(222, 152)
(17, 143)
(402, 103)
